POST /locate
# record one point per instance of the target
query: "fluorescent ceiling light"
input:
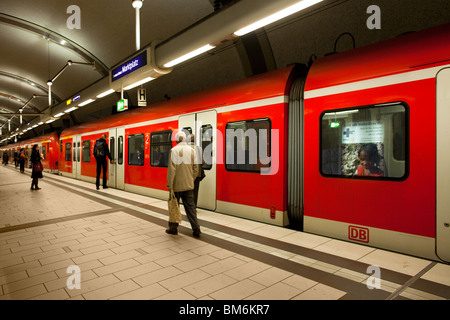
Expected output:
(40, 123)
(86, 102)
(50, 121)
(134, 85)
(104, 94)
(277, 16)
(70, 109)
(189, 55)
(59, 115)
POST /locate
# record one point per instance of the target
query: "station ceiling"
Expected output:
(39, 37)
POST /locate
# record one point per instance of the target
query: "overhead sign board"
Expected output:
(129, 66)
(141, 66)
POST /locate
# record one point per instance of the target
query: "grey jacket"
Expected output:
(182, 169)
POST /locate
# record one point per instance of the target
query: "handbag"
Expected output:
(174, 208)
(37, 167)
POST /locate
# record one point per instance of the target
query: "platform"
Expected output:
(118, 241)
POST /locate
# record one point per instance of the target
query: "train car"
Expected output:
(254, 110)
(377, 145)
(354, 148)
(48, 147)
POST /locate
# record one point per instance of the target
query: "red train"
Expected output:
(354, 148)
(48, 147)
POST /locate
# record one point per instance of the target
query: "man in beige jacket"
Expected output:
(180, 178)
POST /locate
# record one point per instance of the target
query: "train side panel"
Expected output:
(390, 110)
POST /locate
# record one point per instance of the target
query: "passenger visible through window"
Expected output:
(136, 149)
(368, 142)
(160, 145)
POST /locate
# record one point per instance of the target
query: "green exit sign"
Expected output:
(335, 125)
(122, 105)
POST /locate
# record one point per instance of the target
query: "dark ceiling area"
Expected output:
(75, 45)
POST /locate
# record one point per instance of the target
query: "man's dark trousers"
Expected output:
(101, 163)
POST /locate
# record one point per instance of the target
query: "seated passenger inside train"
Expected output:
(370, 161)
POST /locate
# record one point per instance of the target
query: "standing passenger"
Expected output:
(5, 158)
(180, 178)
(35, 174)
(101, 151)
(22, 158)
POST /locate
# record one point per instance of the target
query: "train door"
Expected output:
(443, 170)
(76, 157)
(204, 126)
(116, 171)
(112, 175)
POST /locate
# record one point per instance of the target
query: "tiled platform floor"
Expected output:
(118, 241)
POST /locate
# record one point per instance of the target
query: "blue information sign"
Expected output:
(128, 67)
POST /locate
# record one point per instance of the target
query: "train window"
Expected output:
(112, 146)
(43, 152)
(78, 151)
(248, 145)
(367, 142)
(187, 131)
(61, 146)
(160, 145)
(136, 149)
(86, 151)
(120, 153)
(74, 151)
(68, 152)
(207, 139)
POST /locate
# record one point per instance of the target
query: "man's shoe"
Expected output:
(105, 187)
(172, 231)
(197, 233)
(98, 188)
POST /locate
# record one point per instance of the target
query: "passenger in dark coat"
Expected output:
(35, 175)
(101, 151)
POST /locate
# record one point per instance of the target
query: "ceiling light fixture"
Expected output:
(134, 85)
(277, 16)
(86, 102)
(104, 94)
(189, 55)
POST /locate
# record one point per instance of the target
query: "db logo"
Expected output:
(358, 234)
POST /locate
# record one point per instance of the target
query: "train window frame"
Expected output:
(206, 143)
(68, 151)
(141, 161)
(86, 150)
(406, 140)
(120, 151)
(269, 142)
(164, 143)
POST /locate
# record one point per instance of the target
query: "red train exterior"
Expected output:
(48, 146)
(379, 111)
(398, 212)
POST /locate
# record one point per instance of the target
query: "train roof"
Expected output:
(409, 52)
(31, 141)
(262, 86)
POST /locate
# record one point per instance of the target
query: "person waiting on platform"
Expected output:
(5, 158)
(36, 173)
(101, 151)
(180, 178)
